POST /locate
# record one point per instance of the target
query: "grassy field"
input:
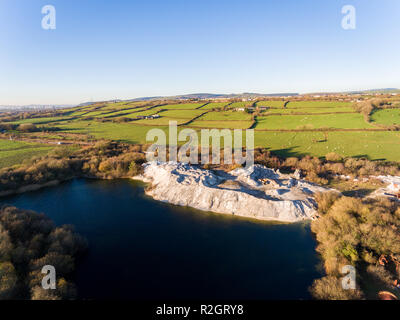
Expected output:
(374, 145)
(226, 116)
(386, 117)
(14, 152)
(342, 121)
(272, 104)
(317, 104)
(243, 104)
(130, 113)
(182, 114)
(183, 106)
(221, 124)
(38, 121)
(341, 116)
(125, 132)
(216, 105)
(309, 110)
(162, 121)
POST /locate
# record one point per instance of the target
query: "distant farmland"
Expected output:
(287, 128)
(13, 152)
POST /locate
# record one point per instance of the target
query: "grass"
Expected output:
(274, 104)
(134, 114)
(386, 117)
(129, 113)
(216, 105)
(125, 132)
(342, 121)
(163, 121)
(309, 110)
(15, 152)
(243, 104)
(225, 116)
(221, 124)
(317, 104)
(182, 114)
(383, 145)
(375, 145)
(183, 106)
(39, 120)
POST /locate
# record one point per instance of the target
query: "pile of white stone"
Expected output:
(255, 192)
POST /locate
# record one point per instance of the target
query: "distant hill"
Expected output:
(369, 91)
(217, 95)
(244, 95)
(33, 107)
(373, 91)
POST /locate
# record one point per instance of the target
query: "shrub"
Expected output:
(334, 157)
(325, 200)
(28, 242)
(357, 232)
(330, 288)
(27, 127)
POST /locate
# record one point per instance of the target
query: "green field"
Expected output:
(162, 121)
(221, 124)
(342, 121)
(309, 110)
(375, 145)
(302, 116)
(182, 114)
(317, 104)
(272, 104)
(183, 106)
(14, 152)
(216, 105)
(125, 132)
(386, 117)
(38, 121)
(226, 116)
(243, 104)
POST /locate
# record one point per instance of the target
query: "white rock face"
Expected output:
(390, 191)
(256, 192)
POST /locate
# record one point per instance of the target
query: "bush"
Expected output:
(28, 242)
(334, 157)
(356, 232)
(27, 127)
(325, 200)
(330, 288)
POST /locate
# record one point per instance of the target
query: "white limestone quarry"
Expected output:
(256, 192)
(391, 190)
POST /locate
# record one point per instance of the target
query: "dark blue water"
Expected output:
(142, 249)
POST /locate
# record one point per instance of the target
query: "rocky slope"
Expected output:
(257, 192)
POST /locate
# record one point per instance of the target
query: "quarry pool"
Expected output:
(143, 249)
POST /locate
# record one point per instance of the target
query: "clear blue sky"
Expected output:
(125, 49)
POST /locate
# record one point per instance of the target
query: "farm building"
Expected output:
(154, 116)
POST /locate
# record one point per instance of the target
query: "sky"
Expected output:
(124, 49)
